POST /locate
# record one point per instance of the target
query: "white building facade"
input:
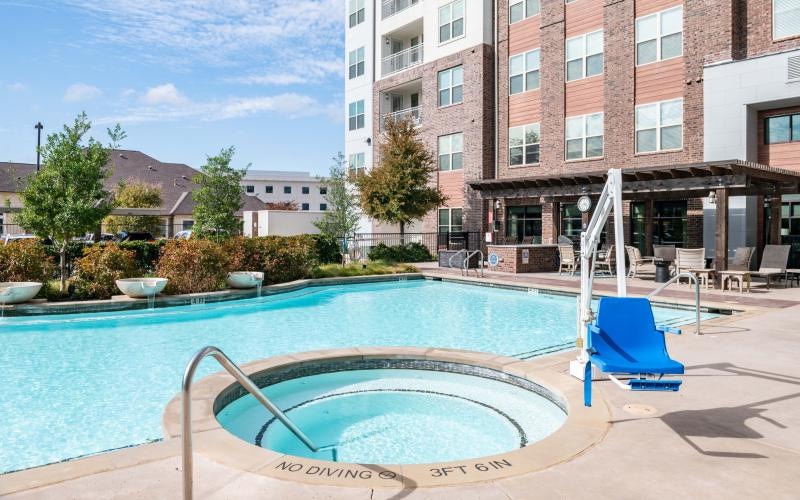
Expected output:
(273, 186)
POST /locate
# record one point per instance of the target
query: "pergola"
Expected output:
(666, 182)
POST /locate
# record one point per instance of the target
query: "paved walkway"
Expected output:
(733, 431)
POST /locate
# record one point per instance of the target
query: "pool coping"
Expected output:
(583, 428)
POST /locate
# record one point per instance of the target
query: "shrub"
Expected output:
(280, 258)
(328, 249)
(101, 265)
(371, 268)
(411, 252)
(193, 266)
(26, 260)
(146, 253)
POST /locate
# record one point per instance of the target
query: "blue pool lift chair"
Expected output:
(624, 339)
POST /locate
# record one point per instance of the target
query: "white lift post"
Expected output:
(610, 200)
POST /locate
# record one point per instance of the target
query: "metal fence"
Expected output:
(434, 242)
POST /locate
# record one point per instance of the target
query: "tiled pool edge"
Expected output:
(583, 428)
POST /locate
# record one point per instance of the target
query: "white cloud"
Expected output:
(166, 95)
(81, 92)
(17, 87)
(300, 72)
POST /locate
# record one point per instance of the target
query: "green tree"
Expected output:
(344, 211)
(397, 190)
(136, 194)
(219, 196)
(67, 197)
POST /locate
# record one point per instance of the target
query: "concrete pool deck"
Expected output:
(732, 430)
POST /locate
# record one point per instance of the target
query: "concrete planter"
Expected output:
(141, 288)
(17, 292)
(244, 279)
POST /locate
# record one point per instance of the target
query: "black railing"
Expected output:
(794, 252)
(433, 241)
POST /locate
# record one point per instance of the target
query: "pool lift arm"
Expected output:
(610, 200)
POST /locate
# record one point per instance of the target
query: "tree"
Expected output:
(67, 197)
(397, 190)
(281, 205)
(136, 195)
(219, 196)
(341, 218)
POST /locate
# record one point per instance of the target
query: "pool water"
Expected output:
(83, 383)
(396, 416)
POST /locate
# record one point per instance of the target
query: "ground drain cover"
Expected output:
(637, 409)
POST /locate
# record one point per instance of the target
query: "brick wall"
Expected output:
(540, 259)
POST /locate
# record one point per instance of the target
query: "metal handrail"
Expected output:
(186, 408)
(465, 263)
(696, 294)
(450, 260)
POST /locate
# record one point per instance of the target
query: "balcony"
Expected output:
(404, 114)
(401, 60)
(392, 7)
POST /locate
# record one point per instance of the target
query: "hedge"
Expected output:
(26, 260)
(100, 267)
(193, 266)
(411, 252)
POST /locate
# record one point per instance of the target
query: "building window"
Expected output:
(585, 56)
(659, 126)
(323, 206)
(779, 129)
(356, 12)
(250, 189)
(356, 115)
(451, 152)
(268, 189)
(451, 21)
(287, 189)
(571, 222)
(187, 224)
(523, 145)
(659, 36)
(785, 18)
(451, 86)
(524, 224)
(523, 72)
(323, 190)
(306, 190)
(356, 164)
(305, 206)
(584, 136)
(356, 63)
(451, 220)
(522, 9)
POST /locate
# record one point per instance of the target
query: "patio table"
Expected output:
(662, 269)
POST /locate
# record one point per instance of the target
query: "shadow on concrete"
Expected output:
(408, 486)
(729, 421)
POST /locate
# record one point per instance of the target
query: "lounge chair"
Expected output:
(624, 339)
(742, 258)
(607, 262)
(773, 263)
(693, 260)
(564, 240)
(569, 261)
(638, 264)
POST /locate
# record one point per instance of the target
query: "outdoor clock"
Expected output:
(584, 203)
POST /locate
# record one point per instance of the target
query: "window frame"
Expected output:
(450, 225)
(323, 207)
(525, 14)
(525, 71)
(535, 220)
(359, 112)
(359, 12)
(287, 189)
(585, 55)
(525, 145)
(323, 190)
(463, 18)
(657, 128)
(305, 207)
(305, 190)
(249, 188)
(773, 23)
(450, 88)
(659, 36)
(449, 139)
(585, 136)
(357, 169)
(268, 189)
(359, 65)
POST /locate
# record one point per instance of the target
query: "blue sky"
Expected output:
(185, 78)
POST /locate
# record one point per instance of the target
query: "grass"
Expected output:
(357, 269)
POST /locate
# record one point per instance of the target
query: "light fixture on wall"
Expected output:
(767, 200)
(712, 197)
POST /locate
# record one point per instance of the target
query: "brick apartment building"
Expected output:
(664, 89)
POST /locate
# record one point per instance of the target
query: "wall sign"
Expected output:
(493, 259)
(526, 255)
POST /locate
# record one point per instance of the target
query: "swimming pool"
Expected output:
(84, 383)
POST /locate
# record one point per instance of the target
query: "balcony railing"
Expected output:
(392, 7)
(404, 114)
(402, 60)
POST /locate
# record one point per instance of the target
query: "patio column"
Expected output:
(555, 210)
(775, 221)
(721, 240)
(648, 226)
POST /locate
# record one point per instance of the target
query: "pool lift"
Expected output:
(622, 338)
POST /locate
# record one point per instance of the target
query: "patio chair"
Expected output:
(564, 240)
(742, 258)
(624, 339)
(569, 260)
(607, 261)
(666, 253)
(773, 263)
(693, 260)
(638, 264)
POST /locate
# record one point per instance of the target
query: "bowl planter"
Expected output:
(141, 288)
(245, 279)
(16, 292)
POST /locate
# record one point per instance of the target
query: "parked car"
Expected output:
(184, 235)
(16, 237)
(135, 236)
(89, 238)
